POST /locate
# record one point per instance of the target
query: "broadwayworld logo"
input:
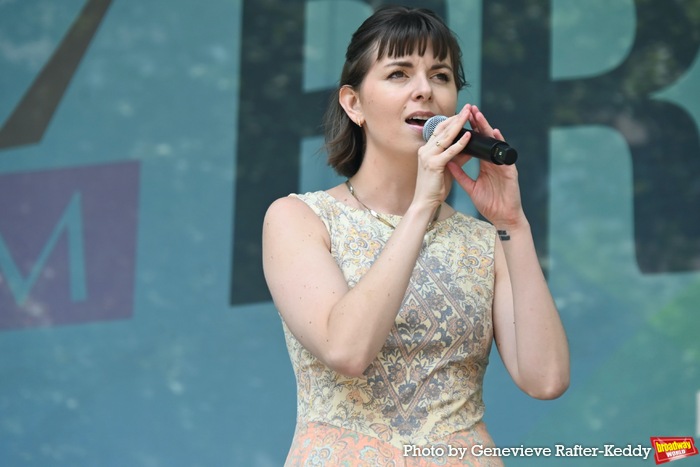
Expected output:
(669, 449)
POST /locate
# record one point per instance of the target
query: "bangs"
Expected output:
(397, 32)
(410, 34)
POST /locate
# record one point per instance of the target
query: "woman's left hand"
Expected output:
(495, 191)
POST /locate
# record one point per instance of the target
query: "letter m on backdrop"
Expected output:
(71, 222)
(68, 245)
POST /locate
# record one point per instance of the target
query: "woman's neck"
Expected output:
(386, 184)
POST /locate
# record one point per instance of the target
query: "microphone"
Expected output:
(482, 147)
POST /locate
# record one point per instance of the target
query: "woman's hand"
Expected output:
(495, 191)
(433, 182)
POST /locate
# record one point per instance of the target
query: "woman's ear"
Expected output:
(350, 102)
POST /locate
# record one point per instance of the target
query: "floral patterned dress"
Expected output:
(420, 400)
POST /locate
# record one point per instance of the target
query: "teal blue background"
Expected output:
(191, 380)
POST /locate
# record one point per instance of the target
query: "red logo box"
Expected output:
(668, 449)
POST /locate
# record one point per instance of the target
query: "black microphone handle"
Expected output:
(488, 149)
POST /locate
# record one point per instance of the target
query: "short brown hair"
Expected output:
(393, 32)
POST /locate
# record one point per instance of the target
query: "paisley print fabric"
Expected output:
(425, 386)
(318, 444)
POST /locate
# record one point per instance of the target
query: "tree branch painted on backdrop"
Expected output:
(30, 119)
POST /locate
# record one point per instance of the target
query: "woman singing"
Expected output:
(390, 299)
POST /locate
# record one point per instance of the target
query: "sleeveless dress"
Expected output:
(420, 400)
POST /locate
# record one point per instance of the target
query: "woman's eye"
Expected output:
(397, 74)
(444, 77)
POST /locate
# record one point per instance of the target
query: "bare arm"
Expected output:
(344, 328)
(528, 331)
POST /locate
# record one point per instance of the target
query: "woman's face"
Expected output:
(399, 94)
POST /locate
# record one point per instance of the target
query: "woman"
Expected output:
(389, 298)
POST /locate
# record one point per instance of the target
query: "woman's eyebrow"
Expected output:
(408, 64)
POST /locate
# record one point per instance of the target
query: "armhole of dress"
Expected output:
(492, 250)
(317, 205)
(492, 243)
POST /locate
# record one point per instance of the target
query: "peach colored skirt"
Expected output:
(319, 444)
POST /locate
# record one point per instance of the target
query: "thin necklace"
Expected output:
(380, 218)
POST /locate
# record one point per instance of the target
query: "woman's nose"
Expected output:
(422, 90)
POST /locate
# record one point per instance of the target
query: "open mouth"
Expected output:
(417, 121)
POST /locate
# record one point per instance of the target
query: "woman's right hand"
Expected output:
(434, 181)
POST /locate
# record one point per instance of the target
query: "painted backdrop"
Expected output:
(140, 143)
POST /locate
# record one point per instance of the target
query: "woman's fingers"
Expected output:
(446, 132)
(497, 134)
(479, 123)
(461, 177)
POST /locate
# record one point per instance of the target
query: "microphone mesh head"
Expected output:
(430, 125)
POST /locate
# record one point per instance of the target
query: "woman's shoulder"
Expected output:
(304, 206)
(295, 204)
(320, 202)
(294, 217)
